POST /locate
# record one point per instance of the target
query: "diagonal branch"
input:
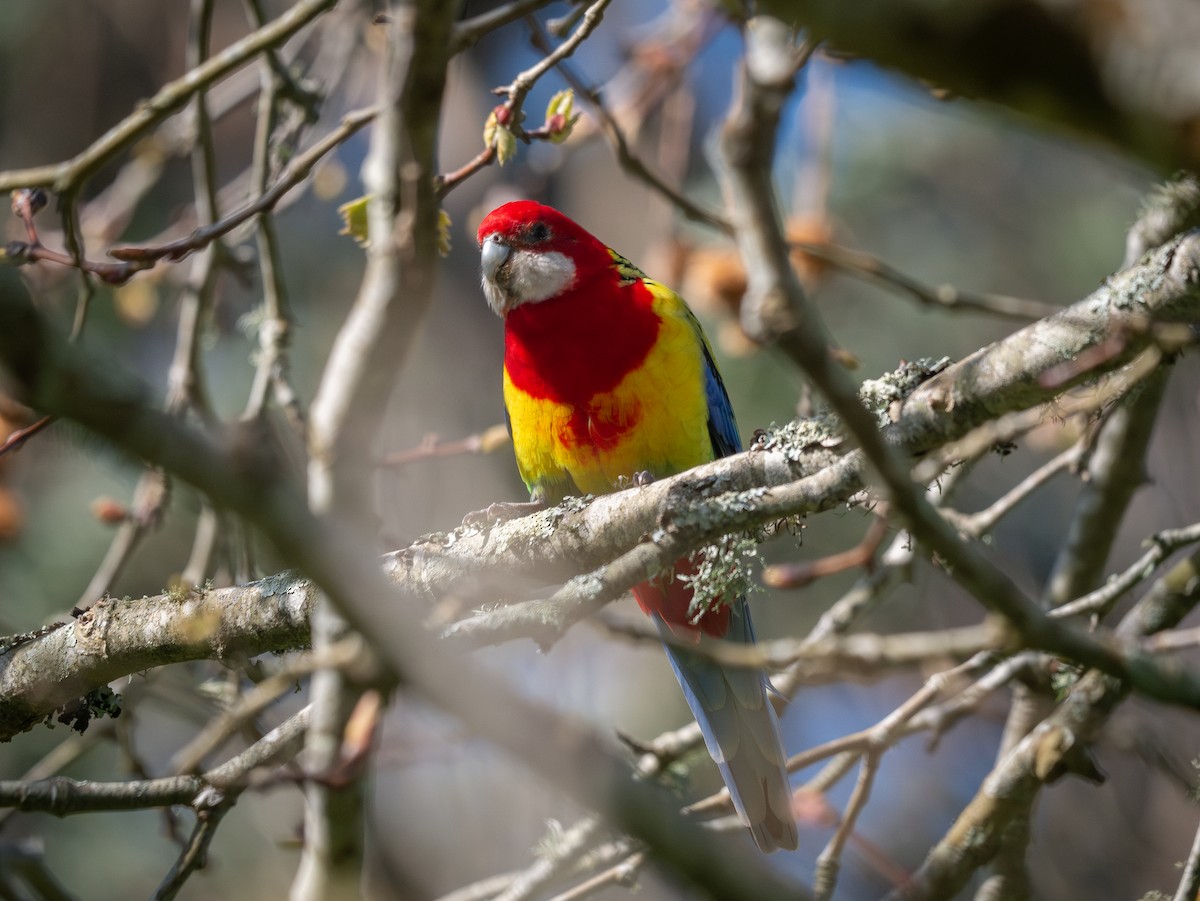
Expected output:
(66, 176)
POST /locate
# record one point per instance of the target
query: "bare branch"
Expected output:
(334, 555)
(61, 796)
(114, 638)
(1189, 882)
(64, 177)
(468, 32)
(296, 172)
(517, 91)
(195, 854)
(1101, 600)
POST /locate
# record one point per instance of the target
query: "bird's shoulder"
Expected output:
(663, 300)
(627, 272)
(668, 305)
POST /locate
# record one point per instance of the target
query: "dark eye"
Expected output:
(539, 232)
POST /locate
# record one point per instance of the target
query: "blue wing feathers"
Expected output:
(722, 427)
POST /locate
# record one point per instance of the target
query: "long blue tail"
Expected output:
(741, 731)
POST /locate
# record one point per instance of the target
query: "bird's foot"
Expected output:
(637, 480)
(501, 511)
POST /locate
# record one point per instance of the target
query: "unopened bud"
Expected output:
(109, 511)
(28, 201)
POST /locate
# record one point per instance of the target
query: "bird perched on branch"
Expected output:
(608, 376)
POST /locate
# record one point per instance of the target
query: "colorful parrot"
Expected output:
(608, 375)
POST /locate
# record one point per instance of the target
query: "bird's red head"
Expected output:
(531, 252)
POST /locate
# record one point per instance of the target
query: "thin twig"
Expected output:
(250, 705)
(1162, 545)
(798, 575)
(863, 265)
(150, 499)
(296, 172)
(468, 32)
(275, 323)
(1189, 880)
(17, 438)
(623, 874)
(880, 738)
(633, 164)
(1004, 429)
(979, 524)
(516, 92)
(62, 796)
(194, 856)
(566, 849)
(490, 439)
(854, 262)
(63, 177)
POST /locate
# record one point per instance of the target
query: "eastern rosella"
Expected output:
(607, 374)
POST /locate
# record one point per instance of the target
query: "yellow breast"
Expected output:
(655, 420)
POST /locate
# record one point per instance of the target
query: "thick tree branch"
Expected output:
(116, 637)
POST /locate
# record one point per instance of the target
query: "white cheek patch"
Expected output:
(496, 297)
(534, 277)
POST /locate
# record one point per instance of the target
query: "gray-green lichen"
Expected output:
(553, 844)
(8, 642)
(878, 395)
(724, 571)
(1064, 677)
(713, 510)
(1168, 209)
(794, 439)
(823, 429)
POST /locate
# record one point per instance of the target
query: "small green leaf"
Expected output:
(354, 220)
(506, 145)
(489, 128)
(561, 116)
(497, 134)
(444, 224)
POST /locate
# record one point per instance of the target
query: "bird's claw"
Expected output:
(501, 511)
(643, 478)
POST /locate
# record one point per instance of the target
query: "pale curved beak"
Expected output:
(493, 255)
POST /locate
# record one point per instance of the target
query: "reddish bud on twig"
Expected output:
(28, 202)
(798, 575)
(812, 808)
(25, 205)
(20, 436)
(109, 511)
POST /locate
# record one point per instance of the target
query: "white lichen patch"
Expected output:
(587, 585)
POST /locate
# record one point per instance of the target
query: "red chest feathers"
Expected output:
(583, 343)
